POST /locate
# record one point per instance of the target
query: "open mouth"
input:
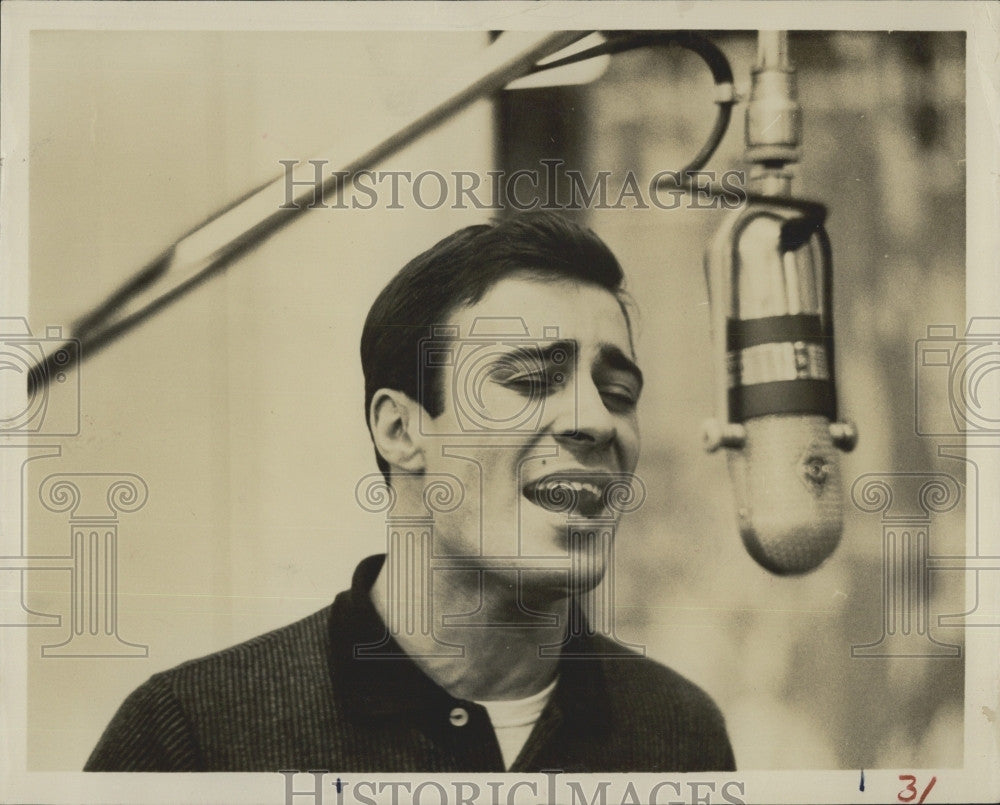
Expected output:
(581, 494)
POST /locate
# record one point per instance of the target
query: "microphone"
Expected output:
(769, 273)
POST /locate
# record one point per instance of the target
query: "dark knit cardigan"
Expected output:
(297, 698)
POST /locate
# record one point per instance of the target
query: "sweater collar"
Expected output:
(377, 679)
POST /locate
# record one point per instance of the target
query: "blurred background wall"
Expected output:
(883, 148)
(241, 406)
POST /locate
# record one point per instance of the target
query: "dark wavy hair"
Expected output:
(458, 271)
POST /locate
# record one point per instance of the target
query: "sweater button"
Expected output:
(458, 717)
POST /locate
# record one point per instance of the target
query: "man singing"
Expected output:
(500, 393)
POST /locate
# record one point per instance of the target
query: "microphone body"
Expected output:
(769, 284)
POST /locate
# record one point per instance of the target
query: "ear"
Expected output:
(393, 420)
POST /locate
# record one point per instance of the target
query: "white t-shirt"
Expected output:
(513, 720)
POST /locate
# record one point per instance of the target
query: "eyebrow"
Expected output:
(544, 349)
(608, 354)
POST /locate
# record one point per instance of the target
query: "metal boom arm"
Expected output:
(215, 243)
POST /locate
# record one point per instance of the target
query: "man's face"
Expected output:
(531, 421)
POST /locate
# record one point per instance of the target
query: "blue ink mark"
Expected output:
(860, 787)
(339, 789)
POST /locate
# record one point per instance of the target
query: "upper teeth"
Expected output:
(576, 486)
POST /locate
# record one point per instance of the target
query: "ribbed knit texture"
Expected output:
(296, 698)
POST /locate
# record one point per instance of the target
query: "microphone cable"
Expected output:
(714, 58)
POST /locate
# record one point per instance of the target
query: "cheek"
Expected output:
(501, 410)
(488, 476)
(628, 438)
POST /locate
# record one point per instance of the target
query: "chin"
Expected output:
(573, 564)
(540, 589)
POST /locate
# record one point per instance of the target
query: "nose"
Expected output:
(584, 420)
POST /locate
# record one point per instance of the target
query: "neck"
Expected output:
(499, 629)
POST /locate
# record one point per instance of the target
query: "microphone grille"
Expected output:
(788, 492)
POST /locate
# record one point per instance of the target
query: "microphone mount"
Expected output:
(772, 226)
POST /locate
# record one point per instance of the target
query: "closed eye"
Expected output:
(621, 399)
(532, 384)
(527, 384)
(618, 379)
